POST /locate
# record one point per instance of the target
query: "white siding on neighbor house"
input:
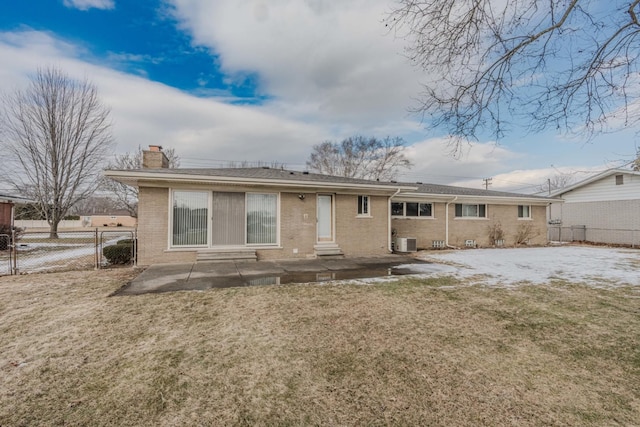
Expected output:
(612, 215)
(606, 189)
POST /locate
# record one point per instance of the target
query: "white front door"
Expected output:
(325, 218)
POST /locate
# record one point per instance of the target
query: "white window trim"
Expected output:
(262, 245)
(177, 248)
(170, 245)
(526, 218)
(368, 213)
(473, 218)
(404, 211)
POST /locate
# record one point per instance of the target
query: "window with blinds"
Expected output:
(190, 218)
(262, 219)
(235, 218)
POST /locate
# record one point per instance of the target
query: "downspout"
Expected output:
(446, 223)
(389, 242)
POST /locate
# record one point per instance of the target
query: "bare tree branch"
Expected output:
(571, 65)
(360, 157)
(126, 196)
(57, 133)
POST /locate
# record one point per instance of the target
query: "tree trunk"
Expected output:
(53, 230)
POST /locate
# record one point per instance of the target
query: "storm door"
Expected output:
(325, 218)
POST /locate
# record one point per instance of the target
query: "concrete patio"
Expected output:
(207, 275)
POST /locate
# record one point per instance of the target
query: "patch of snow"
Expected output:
(595, 266)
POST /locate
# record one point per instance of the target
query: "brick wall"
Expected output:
(5, 213)
(425, 230)
(361, 235)
(153, 229)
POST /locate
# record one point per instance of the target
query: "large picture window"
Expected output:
(202, 218)
(471, 211)
(262, 218)
(190, 218)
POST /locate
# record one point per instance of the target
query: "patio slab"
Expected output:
(204, 275)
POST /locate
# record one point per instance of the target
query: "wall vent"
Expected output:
(500, 242)
(470, 243)
(406, 244)
(437, 244)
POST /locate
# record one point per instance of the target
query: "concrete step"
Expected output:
(328, 251)
(222, 255)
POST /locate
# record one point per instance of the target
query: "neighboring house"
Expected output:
(7, 203)
(115, 219)
(186, 215)
(602, 209)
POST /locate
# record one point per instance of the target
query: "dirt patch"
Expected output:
(406, 352)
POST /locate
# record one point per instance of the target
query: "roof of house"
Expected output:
(594, 178)
(273, 175)
(14, 199)
(262, 175)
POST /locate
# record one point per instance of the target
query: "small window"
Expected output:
(619, 179)
(471, 211)
(397, 209)
(363, 205)
(524, 211)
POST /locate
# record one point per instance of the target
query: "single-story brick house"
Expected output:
(604, 208)
(186, 215)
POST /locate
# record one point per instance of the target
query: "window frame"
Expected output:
(478, 210)
(208, 244)
(521, 216)
(172, 199)
(364, 206)
(419, 204)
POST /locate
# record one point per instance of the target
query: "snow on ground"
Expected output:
(596, 266)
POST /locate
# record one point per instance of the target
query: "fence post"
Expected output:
(13, 248)
(96, 250)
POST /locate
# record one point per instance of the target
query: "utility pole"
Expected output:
(487, 182)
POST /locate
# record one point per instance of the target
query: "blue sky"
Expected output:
(259, 80)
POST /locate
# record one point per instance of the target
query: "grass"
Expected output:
(411, 352)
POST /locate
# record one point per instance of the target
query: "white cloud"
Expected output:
(146, 112)
(329, 61)
(90, 4)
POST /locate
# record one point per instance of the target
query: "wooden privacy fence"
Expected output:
(32, 252)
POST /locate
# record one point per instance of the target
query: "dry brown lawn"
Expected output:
(411, 352)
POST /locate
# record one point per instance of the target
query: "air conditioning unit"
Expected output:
(406, 244)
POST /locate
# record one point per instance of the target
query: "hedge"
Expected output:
(119, 253)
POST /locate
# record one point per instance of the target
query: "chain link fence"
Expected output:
(37, 251)
(581, 233)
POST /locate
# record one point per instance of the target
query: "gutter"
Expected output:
(389, 229)
(446, 223)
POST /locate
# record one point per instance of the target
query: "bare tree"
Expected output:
(564, 64)
(126, 196)
(635, 165)
(56, 133)
(360, 157)
(556, 182)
